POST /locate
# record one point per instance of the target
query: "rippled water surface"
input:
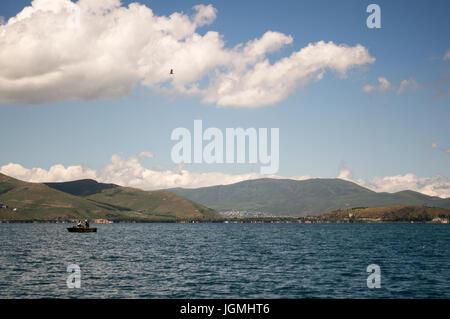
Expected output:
(226, 260)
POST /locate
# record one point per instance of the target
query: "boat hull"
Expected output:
(82, 230)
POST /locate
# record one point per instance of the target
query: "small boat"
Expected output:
(82, 229)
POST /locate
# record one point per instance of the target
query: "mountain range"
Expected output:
(268, 197)
(285, 197)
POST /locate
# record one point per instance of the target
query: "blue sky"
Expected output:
(325, 126)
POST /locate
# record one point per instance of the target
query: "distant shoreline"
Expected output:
(226, 221)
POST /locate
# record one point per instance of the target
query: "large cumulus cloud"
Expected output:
(57, 49)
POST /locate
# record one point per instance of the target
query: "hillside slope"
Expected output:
(35, 201)
(89, 199)
(154, 205)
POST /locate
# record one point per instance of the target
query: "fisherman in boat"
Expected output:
(86, 223)
(79, 224)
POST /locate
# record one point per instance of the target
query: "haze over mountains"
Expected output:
(284, 197)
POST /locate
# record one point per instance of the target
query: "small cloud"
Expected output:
(410, 83)
(447, 55)
(345, 173)
(442, 85)
(445, 150)
(439, 93)
(301, 177)
(368, 88)
(385, 85)
(145, 155)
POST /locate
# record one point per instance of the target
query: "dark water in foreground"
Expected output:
(226, 260)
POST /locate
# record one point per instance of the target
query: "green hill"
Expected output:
(89, 199)
(284, 197)
(36, 201)
(156, 205)
(388, 214)
(83, 187)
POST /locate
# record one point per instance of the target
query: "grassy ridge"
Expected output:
(157, 205)
(36, 201)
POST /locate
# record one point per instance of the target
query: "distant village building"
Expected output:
(102, 221)
(440, 220)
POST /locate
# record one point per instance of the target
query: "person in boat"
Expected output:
(79, 224)
(86, 223)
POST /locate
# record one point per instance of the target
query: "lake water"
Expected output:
(226, 260)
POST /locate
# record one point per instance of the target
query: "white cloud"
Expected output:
(445, 150)
(299, 177)
(385, 85)
(46, 56)
(368, 88)
(347, 174)
(56, 173)
(447, 55)
(130, 172)
(433, 186)
(145, 155)
(405, 84)
(265, 83)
